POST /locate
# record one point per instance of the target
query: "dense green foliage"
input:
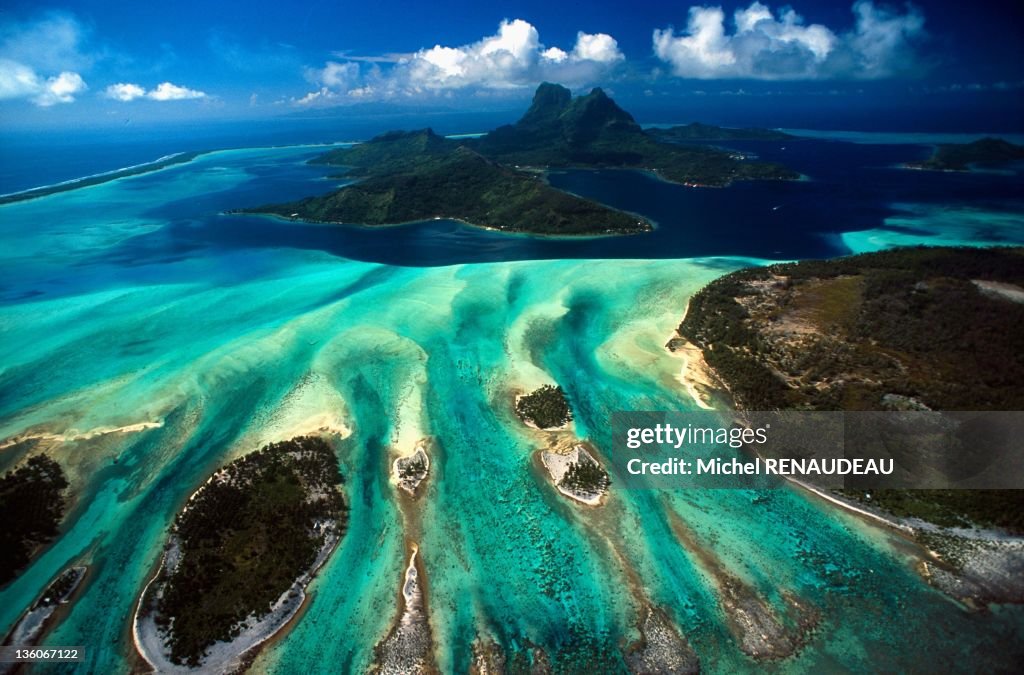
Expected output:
(904, 325)
(709, 132)
(586, 477)
(31, 508)
(393, 152)
(917, 327)
(592, 131)
(245, 537)
(466, 186)
(545, 407)
(951, 508)
(959, 156)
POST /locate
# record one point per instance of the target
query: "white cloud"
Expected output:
(60, 89)
(598, 47)
(39, 60)
(554, 54)
(20, 81)
(50, 43)
(124, 91)
(165, 91)
(335, 75)
(777, 46)
(17, 80)
(512, 58)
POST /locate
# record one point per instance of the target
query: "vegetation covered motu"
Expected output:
(585, 476)
(31, 507)
(960, 156)
(545, 407)
(418, 175)
(922, 328)
(244, 538)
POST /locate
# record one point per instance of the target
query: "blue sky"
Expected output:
(91, 61)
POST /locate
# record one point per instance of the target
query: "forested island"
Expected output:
(544, 408)
(961, 156)
(240, 554)
(32, 503)
(907, 329)
(496, 181)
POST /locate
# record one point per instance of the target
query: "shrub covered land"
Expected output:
(31, 507)
(244, 538)
(586, 477)
(903, 329)
(545, 407)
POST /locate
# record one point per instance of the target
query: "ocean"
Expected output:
(138, 301)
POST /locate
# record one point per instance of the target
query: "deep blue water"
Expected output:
(849, 187)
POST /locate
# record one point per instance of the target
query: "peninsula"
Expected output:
(497, 181)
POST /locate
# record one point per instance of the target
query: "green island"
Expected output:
(585, 476)
(592, 131)
(257, 526)
(709, 132)
(545, 407)
(460, 184)
(907, 329)
(497, 181)
(32, 504)
(960, 156)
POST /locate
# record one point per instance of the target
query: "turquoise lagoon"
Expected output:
(148, 340)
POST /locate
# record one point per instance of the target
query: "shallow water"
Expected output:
(135, 301)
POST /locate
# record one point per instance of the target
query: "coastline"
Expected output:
(222, 657)
(100, 178)
(236, 655)
(696, 376)
(475, 226)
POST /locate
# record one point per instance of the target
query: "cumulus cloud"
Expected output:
(512, 58)
(60, 89)
(766, 45)
(20, 81)
(165, 91)
(124, 91)
(39, 60)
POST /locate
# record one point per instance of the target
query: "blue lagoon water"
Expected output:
(140, 302)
